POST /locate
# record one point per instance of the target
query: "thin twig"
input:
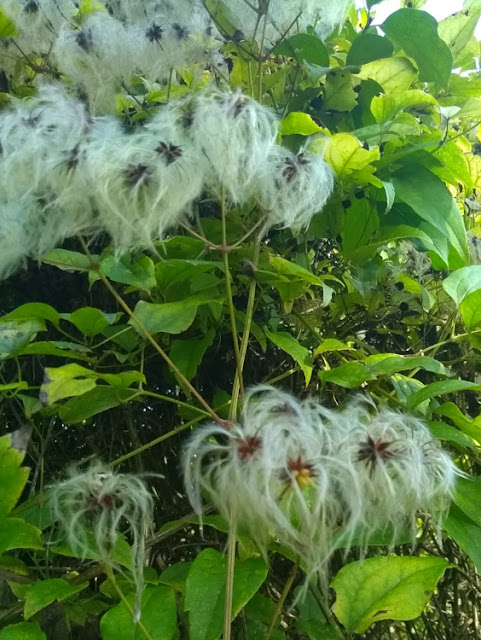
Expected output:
(280, 603)
(96, 267)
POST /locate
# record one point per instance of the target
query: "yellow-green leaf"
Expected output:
(395, 75)
(298, 123)
(339, 94)
(385, 588)
(346, 155)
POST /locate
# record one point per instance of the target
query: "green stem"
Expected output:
(230, 301)
(261, 54)
(246, 333)
(179, 403)
(96, 267)
(280, 603)
(155, 442)
(229, 587)
(110, 575)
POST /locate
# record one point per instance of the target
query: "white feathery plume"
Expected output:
(292, 187)
(13, 221)
(186, 12)
(236, 135)
(106, 503)
(400, 469)
(158, 46)
(38, 138)
(180, 165)
(316, 478)
(97, 58)
(276, 19)
(142, 182)
(268, 475)
(39, 21)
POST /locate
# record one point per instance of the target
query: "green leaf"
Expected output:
(458, 29)
(291, 346)
(361, 222)
(350, 375)
(170, 317)
(291, 269)
(470, 309)
(331, 344)
(303, 48)
(187, 354)
(18, 534)
(205, 591)
(62, 382)
(91, 321)
(312, 620)
(455, 167)
(14, 568)
(346, 155)
(32, 310)
(467, 426)
(74, 380)
(389, 363)
(339, 94)
(178, 279)
(417, 33)
(87, 7)
(36, 510)
(182, 247)
(470, 109)
(460, 284)
(465, 533)
(158, 616)
(367, 47)
(139, 274)
(386, 106)
(23, 631)
(260, 608)
(385, 588)
(44, 592)
(95, 401)
(299, 124)
(468, 498)
(13, 477)
(56, 348)
(176, 575)
(443, 431)
(7, 28)
(430, 199)
(68, 260)
(14, 336)
(438, 389)
(464, 287)
(394, 75)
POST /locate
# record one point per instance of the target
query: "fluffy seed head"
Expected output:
(105, 503)
(315, 478)
(272, 21)
(236, 135)
(293, 187)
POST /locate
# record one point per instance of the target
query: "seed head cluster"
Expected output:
(66, 172)
(269, 21)
(69, 165)
(92, 507)
(316, 479)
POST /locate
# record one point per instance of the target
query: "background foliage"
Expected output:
(381, 293)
